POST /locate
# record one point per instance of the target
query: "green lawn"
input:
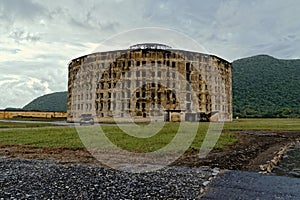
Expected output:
(23, 125)
(41, 137)
(69, 137)
(264, 124)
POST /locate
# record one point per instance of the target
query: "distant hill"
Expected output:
(13, 109)
(264, 86)
(50, 102)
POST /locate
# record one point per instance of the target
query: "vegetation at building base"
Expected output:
(266, 87)
(263, 87)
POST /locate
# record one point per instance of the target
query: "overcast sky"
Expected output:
(39, 38)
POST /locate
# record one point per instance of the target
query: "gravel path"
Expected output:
(46, 179)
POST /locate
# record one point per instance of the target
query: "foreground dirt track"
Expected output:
(253, 149)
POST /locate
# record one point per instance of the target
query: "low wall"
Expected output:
(7, 114)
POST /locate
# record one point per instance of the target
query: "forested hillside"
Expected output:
(266, 87)
(50, 102)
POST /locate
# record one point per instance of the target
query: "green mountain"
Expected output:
(50, 102)
(264, 86)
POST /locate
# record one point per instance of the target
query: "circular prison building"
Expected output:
(150, 82)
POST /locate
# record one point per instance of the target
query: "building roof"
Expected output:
(150, 46)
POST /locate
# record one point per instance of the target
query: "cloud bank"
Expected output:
(39, 38)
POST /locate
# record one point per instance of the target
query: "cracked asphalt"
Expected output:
(251, 185)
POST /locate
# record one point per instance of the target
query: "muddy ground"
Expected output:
(253, 149)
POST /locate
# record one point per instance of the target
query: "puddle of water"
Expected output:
(290, 164)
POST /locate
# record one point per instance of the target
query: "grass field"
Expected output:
(23, 125)
(264, 124)
(68, 136)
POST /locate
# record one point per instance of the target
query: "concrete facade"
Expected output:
(10, 114)
(150, 81)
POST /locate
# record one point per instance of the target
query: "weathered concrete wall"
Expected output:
(144, 83)
(5, 114)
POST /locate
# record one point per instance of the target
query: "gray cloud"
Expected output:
(21, 35)
(20, 87)
(20, 10)
(39, 38)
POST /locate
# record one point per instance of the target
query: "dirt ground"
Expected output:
(253, 149)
